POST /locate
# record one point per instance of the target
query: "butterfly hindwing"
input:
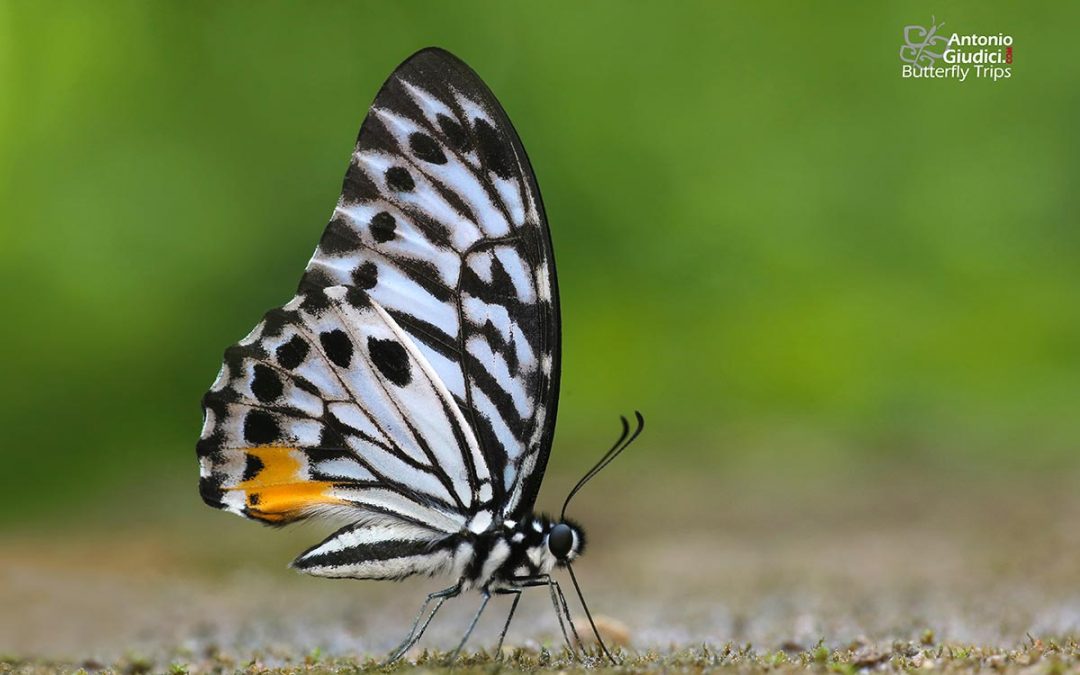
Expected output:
(440, 221)
(328, 406)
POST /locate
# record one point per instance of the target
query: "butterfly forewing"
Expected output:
(440, 221)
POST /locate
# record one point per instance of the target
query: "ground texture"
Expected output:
(885, 571)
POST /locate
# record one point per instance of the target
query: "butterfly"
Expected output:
(410, 387)
(923, 46)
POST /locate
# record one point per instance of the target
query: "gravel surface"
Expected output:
(882, 572)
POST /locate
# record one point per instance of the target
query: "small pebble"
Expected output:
(611, 630)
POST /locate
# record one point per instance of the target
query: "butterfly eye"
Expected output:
(560, 541)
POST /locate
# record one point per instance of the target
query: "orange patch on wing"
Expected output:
(279, 492)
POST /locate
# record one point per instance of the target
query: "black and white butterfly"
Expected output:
(411, 384)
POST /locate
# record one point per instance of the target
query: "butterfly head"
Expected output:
(566, 541)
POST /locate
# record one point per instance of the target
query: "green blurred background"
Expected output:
(789, 257)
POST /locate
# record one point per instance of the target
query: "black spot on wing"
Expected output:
(315, 300)
(358, 186)
(454, 132)
(292, 353)
(214, 402)
(207, 446)
(261, 427)
(398, 179)
(252, 466)
(234, 364)
(383, 227)
(366, 275)
(337, 238)
(331, 438)
(357, 298)
(314, 280)
(337, 346)
(391, 359)
(266, 385)
(210, 490)
(493, 149)
(425, 147)
(274, 323)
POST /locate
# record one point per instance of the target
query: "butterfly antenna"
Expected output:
(633, 437)
(588, 614)
(608, 457)
(589, 473)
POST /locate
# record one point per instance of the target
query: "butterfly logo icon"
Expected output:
(923, 46)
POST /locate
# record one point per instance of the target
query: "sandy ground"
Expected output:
(949, 560)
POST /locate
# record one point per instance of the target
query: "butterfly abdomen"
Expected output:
(383, 549)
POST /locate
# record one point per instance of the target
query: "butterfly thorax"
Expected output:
(523, 549)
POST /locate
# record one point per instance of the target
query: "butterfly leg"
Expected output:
(566, 611)
(557, 589)
(414, 635)
(516, 592)
(560, 611)
(472, 625)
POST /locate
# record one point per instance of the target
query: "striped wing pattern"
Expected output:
(373, 550)
(411, 385)
(313, 412)
(440, 220)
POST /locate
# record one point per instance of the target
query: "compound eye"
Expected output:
(560, 541)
